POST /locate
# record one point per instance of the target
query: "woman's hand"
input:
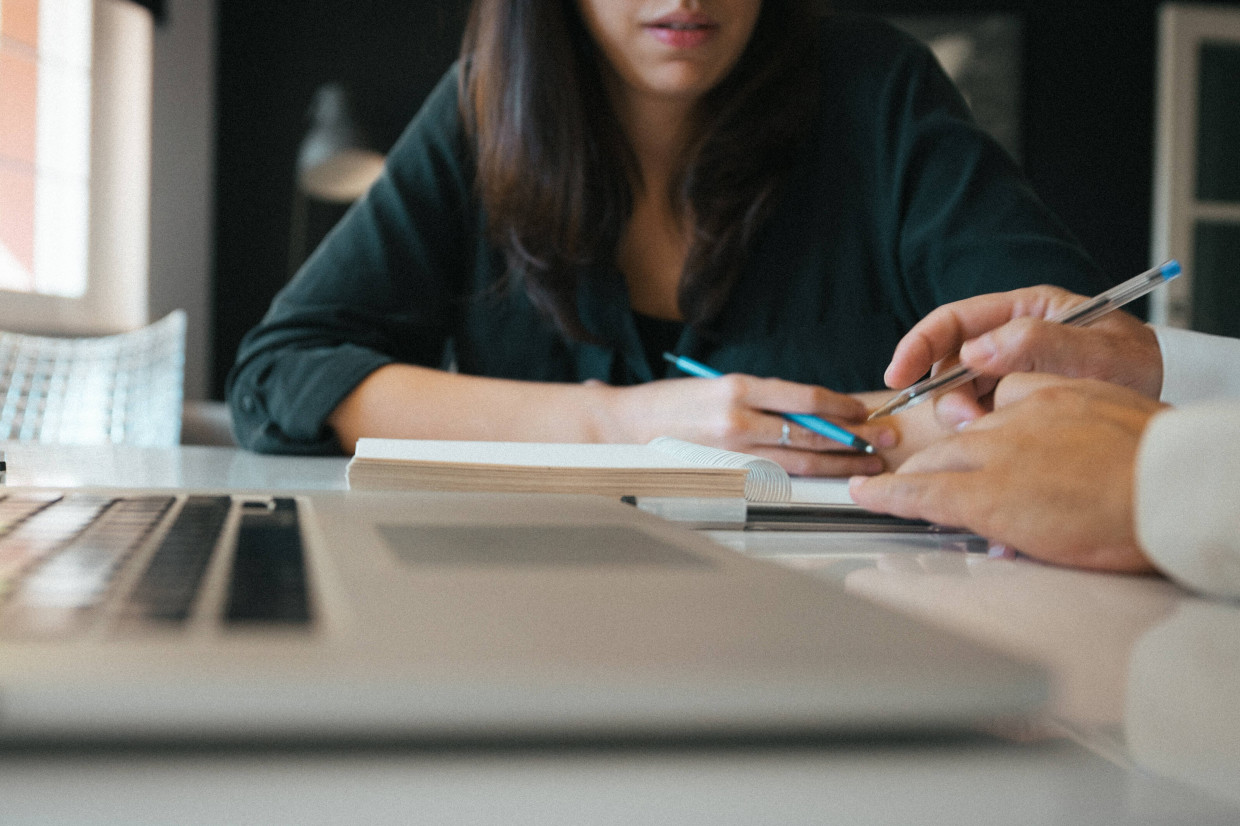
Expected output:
(1004, 333)
(741, 412)
(1050, 473)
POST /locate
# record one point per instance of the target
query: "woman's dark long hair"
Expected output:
(554, 167)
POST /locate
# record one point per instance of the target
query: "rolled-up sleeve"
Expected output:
(381, 288)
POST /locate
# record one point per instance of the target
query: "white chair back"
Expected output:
(121, 389)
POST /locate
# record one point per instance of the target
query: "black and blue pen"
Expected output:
(805, 420)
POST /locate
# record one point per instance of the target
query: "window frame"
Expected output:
(116, 296)
(1183, 30)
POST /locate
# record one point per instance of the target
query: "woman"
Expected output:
(601, 180)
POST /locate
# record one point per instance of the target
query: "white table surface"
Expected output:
(1143, 727)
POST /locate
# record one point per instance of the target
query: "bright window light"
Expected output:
(45, 81)
(75, 160)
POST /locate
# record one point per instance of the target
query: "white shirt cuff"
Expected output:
(1188, 496)
(1197, 366)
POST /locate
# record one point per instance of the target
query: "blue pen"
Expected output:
(805, 420)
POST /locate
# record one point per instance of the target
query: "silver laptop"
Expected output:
(362, 617)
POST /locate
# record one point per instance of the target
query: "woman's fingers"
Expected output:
(780, 432)
(815, 463)
(792, 397)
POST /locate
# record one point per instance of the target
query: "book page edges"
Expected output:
(664, 467)
(766, 481)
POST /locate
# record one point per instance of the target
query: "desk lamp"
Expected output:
(336, 164)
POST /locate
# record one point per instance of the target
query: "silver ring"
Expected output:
(785, 436)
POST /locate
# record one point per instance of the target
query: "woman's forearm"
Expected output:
(411, 402)
(407, 401)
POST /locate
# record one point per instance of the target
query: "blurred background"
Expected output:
(1070, 88)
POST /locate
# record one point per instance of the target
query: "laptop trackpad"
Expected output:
(532, 545)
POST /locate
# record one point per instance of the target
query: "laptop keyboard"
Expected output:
(65, 561)
(172, 578)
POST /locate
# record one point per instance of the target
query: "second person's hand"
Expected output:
(1002, 333)
(1050, 472)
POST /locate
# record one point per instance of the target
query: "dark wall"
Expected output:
(1087, 110)
(272, 55)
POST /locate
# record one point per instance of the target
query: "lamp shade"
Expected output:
(336, 161)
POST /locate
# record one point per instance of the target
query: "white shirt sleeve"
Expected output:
(1188, 496)
(1197, 366)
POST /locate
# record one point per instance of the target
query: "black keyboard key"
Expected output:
(268, 583)
(171, 580)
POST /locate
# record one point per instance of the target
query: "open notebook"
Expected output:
(687, 482)
(663, 467)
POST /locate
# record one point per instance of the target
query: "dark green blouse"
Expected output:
(900, 204)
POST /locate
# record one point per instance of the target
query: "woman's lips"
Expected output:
(681, 34)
